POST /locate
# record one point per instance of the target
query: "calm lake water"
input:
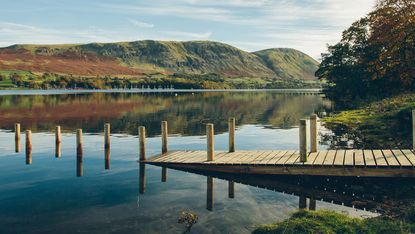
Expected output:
(48, 196)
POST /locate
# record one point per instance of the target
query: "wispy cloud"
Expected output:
(188, 35)
(141, 24)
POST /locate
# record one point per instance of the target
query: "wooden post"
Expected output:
(28, 147)
(313, 133)
(231, 189)
(209, 193)
(107, 132)
(163, 174)
(58, 141)
(107, 157)
(17, 137)
(302, 204)
(164, 134)
(231, 127)
(312, 204)
(413, 129)
(303, 140)
(210, 142)
(142, 133)
(79, 142)
(142, 179)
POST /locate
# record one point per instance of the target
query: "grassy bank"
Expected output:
(332, 222)
(381, 124)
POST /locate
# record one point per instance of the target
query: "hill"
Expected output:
(165, 57)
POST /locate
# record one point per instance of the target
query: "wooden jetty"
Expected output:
(342, 162)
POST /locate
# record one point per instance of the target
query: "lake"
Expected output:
(122, 195)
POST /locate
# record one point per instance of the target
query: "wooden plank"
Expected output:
(359, 159)
(369, 158)
(160, 157)
(276, 157)
(402, 158)
(251, 156)
(338, 161)
(262, 156)
(410, 155)
(320, 158)
(390, 158)
(311, 158)
(380, 159)
(295, 157)
(198, 157)
(349, 158)
(285, 157)
(331, 154)
(167, 156)
(238, 156)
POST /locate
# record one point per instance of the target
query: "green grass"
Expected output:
(331, 222)
(384, 123)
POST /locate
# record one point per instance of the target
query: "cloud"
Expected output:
(189, 35)
(141, 24)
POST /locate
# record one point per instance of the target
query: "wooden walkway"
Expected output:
(379, 163)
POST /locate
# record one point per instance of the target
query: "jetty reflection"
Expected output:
(380, 195)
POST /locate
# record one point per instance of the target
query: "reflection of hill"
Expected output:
(185, 113)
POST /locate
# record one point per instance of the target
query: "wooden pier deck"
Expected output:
(379, 163)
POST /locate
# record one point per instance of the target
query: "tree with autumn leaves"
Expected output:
(376, 55)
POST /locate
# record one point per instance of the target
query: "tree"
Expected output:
(377, 51)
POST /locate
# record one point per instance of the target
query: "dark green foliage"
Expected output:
(375, 57)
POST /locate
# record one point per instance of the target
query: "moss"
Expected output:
(384, 123)
(332, 222)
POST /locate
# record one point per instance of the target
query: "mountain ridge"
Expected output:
(165, 57)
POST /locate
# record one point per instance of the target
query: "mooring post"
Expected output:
(107, 132)
(58, 141)
(231, 127)
(142, 133)
(303, 140)
(79, 142)
(313, 133)
(210, 142)
(17, 137)
(312, 204)
(413, 129)
(164, 135)
(163, 174)
(231, 189)
(28, 147)
(302, 203)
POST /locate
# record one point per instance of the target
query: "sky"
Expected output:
(251, 25)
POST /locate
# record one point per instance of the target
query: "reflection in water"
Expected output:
(142, 179)
(107, 158)
(186, 113)
(28, 147)
(357, 192)
(79, 166)
(231, 189)
(163, 174)
(209, 193)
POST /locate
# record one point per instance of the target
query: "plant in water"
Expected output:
(188, 218)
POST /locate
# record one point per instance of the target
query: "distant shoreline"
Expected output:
(81, 91)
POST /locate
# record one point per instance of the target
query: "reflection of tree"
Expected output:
(186, 112)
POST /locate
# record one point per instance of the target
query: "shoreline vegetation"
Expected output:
(323, 221)
(30, 80)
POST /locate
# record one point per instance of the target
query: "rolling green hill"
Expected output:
(165, 57)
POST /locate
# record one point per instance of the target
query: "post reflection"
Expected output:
(107, 155)
(142, 179)
(209, 193)
(79, 166)
(163, 174)
(231, 189)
